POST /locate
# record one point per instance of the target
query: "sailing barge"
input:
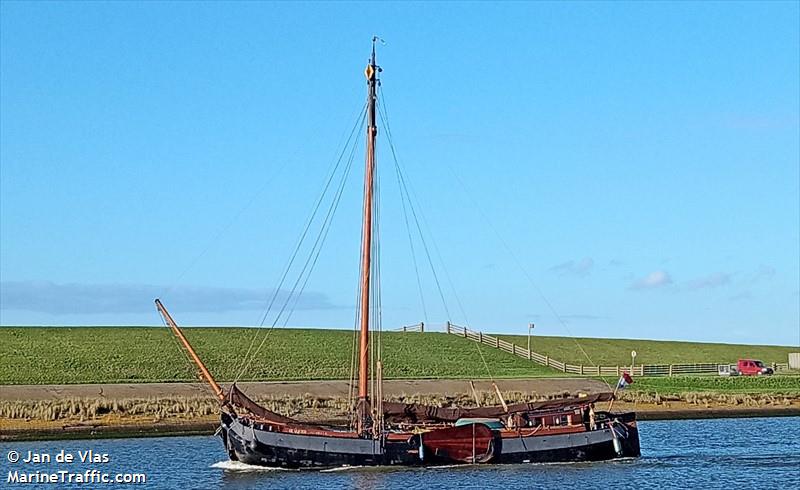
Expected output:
(390, 433)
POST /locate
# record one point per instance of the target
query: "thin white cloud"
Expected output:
(579, 317)
(567, 317)
(59, 299)
(579, 268)
(710, 281)
(764, 273)
(742, 296)
(653, 280)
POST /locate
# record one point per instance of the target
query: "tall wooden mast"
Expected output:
(371, 73)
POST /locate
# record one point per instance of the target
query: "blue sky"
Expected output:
(637, 163)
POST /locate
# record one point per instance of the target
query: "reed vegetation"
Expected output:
(778, 384)
(87, 410)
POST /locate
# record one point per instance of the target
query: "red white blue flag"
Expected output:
(624, 381)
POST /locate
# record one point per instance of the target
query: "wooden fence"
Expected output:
(580, 369)
(419, 327)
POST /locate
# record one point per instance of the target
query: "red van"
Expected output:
(751, 367)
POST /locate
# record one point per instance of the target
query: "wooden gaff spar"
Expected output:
(389, 433)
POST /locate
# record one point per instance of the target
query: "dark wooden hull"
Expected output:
(596, 445)
(256, 444)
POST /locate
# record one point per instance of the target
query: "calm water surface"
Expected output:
(724, 453)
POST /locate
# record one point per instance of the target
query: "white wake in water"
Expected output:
(239, 466)
(342, 468)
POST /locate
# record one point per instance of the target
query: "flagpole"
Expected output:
(616, 388)
(613, 397)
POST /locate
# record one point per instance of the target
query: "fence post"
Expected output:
(447, 326)
(480, 337)
(421, 327)
(547, 361)
(497, 342)
(670, 370)
(581, 369)
(514, 349)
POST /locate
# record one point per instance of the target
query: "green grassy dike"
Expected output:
(70, 355)
(616, 352)
(66, 355)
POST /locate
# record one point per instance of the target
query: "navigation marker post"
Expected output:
(530, 327)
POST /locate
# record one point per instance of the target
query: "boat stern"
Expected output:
(626, 435)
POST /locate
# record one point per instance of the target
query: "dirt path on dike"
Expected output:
(544, 386)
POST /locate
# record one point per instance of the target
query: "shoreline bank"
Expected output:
(326, 388)
(51, 412)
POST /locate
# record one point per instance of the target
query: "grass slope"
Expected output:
(614, 352)
(61, 355)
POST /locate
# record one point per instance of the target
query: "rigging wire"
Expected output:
(230, 223)
(414, 259)
(353, 357)
(310, 220)
(354, 360)
(405, 195)
(332, 212)
(244, 208)
(189, 361)
(521, 267)
(354, 347)
(178, 344)
(313, 214)
(404, 189)
(247, 358)
(384, 117)
(375, 286)
(313, 255)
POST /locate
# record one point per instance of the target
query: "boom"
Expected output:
(202, 367)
